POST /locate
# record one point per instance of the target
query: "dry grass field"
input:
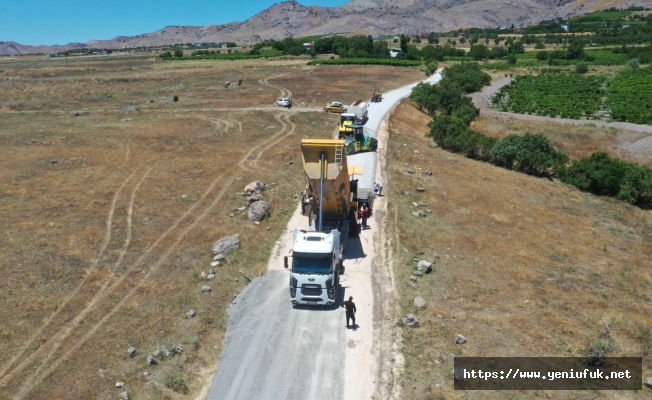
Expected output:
(527, 267)
(108, 216)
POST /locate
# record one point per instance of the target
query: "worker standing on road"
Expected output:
(378, 187)
(350, 310)
(365, 214)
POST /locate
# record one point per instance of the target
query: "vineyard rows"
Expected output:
(626, 98)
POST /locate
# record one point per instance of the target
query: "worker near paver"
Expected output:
(350, 310)
(365, 214)
(378, 187)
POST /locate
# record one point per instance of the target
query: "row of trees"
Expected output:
(532, 154)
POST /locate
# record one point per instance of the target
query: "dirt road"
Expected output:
(274, 351)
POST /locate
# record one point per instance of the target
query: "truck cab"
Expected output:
(315, 268)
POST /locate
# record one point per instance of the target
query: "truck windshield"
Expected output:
(308, 263)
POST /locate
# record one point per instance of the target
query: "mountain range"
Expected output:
(373, 17)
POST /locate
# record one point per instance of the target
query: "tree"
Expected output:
(479, 52)
(462, 40)
(511, 59)
(531, 154)
(178, 53)
(404, 43)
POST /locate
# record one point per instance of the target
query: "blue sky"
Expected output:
(36, 22)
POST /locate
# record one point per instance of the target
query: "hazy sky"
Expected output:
(49, 22)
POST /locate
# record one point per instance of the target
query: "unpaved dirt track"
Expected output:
(274, 351)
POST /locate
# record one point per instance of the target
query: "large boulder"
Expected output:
(424, 266)
(255, 187)
(226, 244)
(258, 210)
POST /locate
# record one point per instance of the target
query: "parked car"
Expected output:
(335, 106)
(284, 102)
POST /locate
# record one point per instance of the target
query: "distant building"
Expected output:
(565, 27)
(107, 51)
(518, 29)
(394, 52)
(626, 26)
(309, 44)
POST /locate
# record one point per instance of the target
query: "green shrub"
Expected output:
(177, 383)
(634, 63)
(581, 68)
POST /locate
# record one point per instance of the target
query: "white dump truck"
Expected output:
(317, 252)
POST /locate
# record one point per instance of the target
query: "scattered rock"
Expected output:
(459, 339)
(648, 382)
(257, 222)
(206, 289)
(151, 360)
(29, 142)
(219, 257)
(413, 285)
(226, 244)
(130, 109)
(425, 266)
(420, 189)
(215, 263)
(427, 172)
(119, 384)
(210, 276)
(410, 171)
(416, 214)
(444, 195)
(76, 114)
(241, 209)
(289, 163)
(169, 99)
(254, 197)
(255, 187)
(258, 210)
(423, 204)
(434, 145)
(132, 352)
(191, 313)
(124, 395)
(418, 273)
(458, 374)
(54, 162)
(407, 193)
(212, 271)
(203, 275)
(411, 321)
(125, 120)
(184, 196)
(419, 302)
(232, 215)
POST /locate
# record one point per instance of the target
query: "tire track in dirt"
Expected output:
(284, 92)
(264, 144)
(38, 372)
(69, 326)
(78, 343)
(103, 246)
(63, 334)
